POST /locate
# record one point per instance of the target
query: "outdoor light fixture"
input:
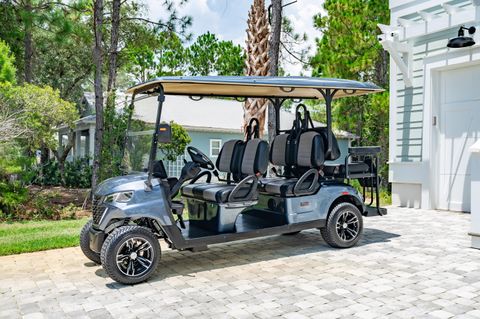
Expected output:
(461, 41)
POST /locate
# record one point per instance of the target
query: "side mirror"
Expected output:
(164, 134)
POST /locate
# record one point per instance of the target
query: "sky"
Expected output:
(228, 19)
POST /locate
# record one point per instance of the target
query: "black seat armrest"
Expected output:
(253, 180)
(299, 190)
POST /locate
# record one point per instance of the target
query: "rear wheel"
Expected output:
(344, 226)
(130, 254)
(85, 243)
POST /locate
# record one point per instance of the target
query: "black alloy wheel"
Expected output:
(344, 226)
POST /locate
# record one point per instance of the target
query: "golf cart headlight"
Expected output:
(121, 197)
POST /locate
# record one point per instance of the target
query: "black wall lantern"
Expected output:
(462, 41)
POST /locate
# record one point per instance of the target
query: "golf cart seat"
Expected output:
(306, 156)
(239, 159)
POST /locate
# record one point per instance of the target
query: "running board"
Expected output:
(374, 211)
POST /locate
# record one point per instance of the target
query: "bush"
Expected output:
(12, 196)
(78, 174)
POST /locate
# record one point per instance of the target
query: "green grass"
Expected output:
(29, 236)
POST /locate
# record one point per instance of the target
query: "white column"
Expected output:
(91, 142)
(78, 143)
(475, 199)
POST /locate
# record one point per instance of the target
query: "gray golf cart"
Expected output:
(234, 199)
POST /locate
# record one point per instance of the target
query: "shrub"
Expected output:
(41, 207)
(78, 174)
(12, 196)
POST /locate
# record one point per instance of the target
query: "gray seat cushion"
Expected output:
(212, 192)
(282, 187)
(277, 186)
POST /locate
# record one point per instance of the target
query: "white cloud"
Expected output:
(228, 19)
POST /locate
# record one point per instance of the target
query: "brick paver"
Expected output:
(410, 264)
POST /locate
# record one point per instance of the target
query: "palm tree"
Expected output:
(257, 59)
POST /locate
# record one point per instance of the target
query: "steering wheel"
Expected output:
(200, 158)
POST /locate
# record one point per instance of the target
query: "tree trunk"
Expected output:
(112, 71)
(276, 29)
(257, 60)
(28, 43)
(62, 157)
(98, 61)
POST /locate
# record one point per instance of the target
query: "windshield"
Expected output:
(138, 144)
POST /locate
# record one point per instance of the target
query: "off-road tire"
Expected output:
(330, 233)
(114, 242)
(85, 243)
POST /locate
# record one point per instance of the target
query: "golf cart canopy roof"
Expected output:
(254, 86)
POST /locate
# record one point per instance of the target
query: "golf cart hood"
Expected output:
(121, 184)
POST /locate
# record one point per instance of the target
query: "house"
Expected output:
(209, 122)
(434, 101)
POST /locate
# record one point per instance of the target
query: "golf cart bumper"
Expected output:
(97, 237)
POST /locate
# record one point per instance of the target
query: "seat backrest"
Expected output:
(229, 158)
(283, 150)
(335, 153)
(278, 150)
(243, 158)
(254, 158)
(311, 150)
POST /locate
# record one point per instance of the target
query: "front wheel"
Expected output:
(344, 226)
(130, 254)
(85, 243)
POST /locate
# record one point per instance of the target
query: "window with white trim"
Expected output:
(215, 146)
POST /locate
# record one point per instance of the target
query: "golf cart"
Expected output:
(233, 199)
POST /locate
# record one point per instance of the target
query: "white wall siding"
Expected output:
(409, 101)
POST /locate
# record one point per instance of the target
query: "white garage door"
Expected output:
(459, 128)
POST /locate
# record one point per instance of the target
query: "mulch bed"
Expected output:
(62, 196)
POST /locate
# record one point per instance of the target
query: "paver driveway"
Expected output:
(409, 264)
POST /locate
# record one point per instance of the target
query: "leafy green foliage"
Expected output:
(162, 54)
(63, 48)
(78, 174)
(7, 64)
(207, 55)
(13, 161)
(13, 176)
(116, 126)
(349, 49)
(42, 112)
(166, 54)
(12, 196)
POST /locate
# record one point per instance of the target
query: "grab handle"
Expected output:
(252, 189)
(298, 190)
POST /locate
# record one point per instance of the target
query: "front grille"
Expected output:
(97, 209)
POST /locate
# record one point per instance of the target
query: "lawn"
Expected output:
(22, 237)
